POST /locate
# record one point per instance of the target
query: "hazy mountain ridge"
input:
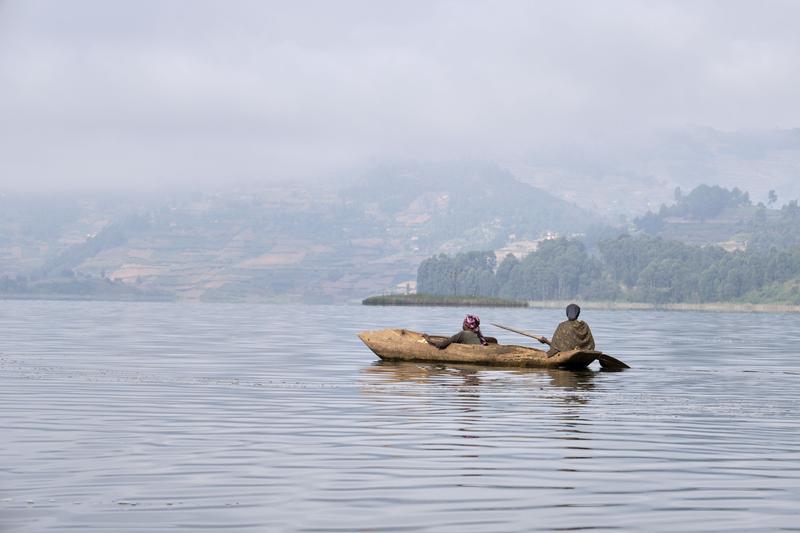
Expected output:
(713, 215)
(629, 180)
(281, 243)
(289, 243)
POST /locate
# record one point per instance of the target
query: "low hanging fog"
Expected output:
(138, 95)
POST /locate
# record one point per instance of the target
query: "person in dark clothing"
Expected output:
(470, 334)
(571, 334)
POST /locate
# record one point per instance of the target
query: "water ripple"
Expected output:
(122, 417)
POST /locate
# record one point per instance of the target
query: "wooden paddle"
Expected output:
(521, 332)
(606, 361)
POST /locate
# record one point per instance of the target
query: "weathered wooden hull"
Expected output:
(406, 345)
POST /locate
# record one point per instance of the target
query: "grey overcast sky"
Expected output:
(129, 93)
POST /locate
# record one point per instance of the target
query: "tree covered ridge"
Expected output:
(704, 202)
(636, 269)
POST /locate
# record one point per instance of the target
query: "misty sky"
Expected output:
(117, 93)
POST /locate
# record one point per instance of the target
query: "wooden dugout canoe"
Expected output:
(406, 345)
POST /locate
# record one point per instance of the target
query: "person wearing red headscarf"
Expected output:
(470, 334)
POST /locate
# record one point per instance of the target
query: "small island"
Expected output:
(440, 300)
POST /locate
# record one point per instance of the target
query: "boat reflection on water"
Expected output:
(489, 399)
(396, 372)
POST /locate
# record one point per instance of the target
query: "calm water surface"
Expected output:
(151, 417)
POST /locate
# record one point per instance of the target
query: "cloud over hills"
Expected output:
(139, 94)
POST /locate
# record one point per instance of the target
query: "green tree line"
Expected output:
(636, 269)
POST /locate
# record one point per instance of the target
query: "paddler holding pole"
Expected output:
(572, 334)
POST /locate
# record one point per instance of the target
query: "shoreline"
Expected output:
(716, 307)
(713, 307)
(425, 300)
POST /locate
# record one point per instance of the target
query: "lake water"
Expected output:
(121, 417)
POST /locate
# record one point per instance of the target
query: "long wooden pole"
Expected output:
(520, 331)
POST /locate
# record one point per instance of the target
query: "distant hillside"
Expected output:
(294, 244)
(728, 218)
(280, 243)
(613, 179)
(458, 207)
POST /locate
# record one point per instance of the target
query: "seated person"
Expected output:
(571, 334)
(470, 334)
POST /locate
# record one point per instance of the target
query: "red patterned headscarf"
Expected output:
(473, 323)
